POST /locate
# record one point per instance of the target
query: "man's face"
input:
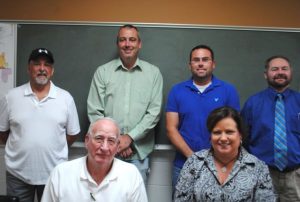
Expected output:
(201, 64)
(103, 143)
(40, 71)
(129, 43)
(278, 74)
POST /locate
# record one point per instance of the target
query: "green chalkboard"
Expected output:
(80, 49)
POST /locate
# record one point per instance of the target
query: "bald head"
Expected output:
(102, 143)
(104, 124)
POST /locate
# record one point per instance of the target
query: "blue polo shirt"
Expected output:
(259, 112)
(193, 107)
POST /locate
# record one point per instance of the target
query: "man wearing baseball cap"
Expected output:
(38, 121)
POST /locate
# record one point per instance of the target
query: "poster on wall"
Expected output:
(7, 57)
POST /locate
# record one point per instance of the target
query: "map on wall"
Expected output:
(7, 57)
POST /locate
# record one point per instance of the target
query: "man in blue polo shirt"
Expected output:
(276, 144)
(189, 104)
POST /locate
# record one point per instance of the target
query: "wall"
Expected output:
(254, 13)
(267, 13)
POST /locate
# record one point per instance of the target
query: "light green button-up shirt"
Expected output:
(132, 97)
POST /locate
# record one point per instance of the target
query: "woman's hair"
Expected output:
(226, 112)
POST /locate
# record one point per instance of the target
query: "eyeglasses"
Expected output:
(204, 59)
(111, 141)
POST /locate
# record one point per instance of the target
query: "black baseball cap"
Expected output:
(41, 52)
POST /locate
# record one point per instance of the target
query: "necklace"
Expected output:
(224, 165)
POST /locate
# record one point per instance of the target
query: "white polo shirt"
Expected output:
(37, 138)
(71, 181)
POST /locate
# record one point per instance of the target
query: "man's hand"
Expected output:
(126, 153)
(124, 147)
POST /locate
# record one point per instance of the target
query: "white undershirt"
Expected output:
(200, 87)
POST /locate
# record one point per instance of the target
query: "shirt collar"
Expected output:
(136, 66)
(273, 93)
(246, 158)
(52, 92)
(84, 174)
(214, 83)
(112, 174)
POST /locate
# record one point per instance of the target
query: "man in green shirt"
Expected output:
(129, 90)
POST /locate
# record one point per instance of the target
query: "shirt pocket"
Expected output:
(295, 123)
(140, 100)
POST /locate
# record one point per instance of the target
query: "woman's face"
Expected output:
(225, 137)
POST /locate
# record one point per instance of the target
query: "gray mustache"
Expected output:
(42, 73)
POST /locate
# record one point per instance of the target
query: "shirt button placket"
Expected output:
(127, 95)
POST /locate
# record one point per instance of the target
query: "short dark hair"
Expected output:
(203, 47)
(129, 26)
(267, 62)
(226, 112)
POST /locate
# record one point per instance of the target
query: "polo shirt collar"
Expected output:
(111, 176)
(28, 91)
(84, 174)
(137, 65)
(214, 83)
(52, 92)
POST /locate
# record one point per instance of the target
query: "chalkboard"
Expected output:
(80, 49)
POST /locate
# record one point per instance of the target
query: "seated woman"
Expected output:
(226, 172)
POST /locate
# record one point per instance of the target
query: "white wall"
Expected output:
(159, 186)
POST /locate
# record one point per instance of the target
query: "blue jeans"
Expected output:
(25, 192)
(143, 166)
(175, 176)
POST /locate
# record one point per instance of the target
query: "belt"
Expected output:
(286, 170)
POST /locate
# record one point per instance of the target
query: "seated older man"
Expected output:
(98, 176)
